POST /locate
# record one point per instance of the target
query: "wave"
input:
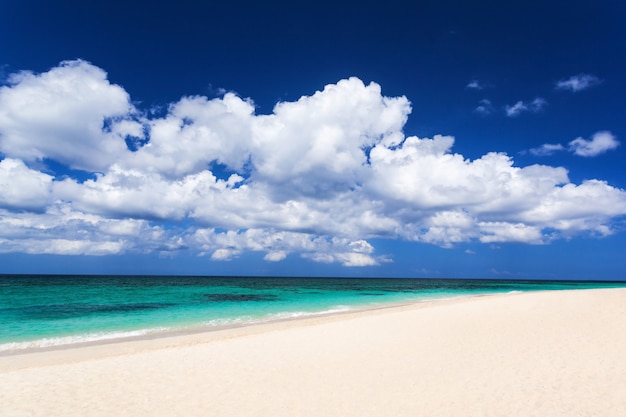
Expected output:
(102, 336)
(298, 314)
(246, 320)
(84, 338)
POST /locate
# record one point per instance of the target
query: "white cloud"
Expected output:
(356, 259)
(315, 146)
(224, 254)
(195, 132)
(578, 82)
(62, 230)
(572, 208)
(23, 188)
(276, 256)
(477, 85)
(538, 104)
(516, 109)
(225, 246)
(547, 149)
(60, 114)
(446, 228)
(599, 144)
(319, 177)
(425, 175)
(484, 107)
(509, 232)
(535, 106)
(142, 194)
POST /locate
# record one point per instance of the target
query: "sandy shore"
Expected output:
(541, 354)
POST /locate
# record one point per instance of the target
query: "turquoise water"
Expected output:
(37, 311)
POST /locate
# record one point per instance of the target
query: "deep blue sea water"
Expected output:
(39, 311)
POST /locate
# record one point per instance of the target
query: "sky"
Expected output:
(435, 139)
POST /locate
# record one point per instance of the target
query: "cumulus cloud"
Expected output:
(319, 177)
(599, 144)
(60, 115)
(535, 106)
(195, 132)
(316, 145)
(23, 188)
(577, 83)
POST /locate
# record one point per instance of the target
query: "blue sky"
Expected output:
(410, 139)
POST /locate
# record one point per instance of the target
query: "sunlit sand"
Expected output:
(560, 353)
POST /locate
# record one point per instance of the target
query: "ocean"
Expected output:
(53, 310)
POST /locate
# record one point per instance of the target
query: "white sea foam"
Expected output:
(101, 336)
(298, 314)
(246, 320)
(84, 338)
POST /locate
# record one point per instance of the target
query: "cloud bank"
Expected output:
(83, 171)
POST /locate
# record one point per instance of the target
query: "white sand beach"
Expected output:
(560, 353)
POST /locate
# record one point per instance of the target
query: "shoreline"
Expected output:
(175, 337)
(171, 338)
(548, 353)
(167, 333)
(34, 340)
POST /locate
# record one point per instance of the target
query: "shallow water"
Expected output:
(38, 311)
